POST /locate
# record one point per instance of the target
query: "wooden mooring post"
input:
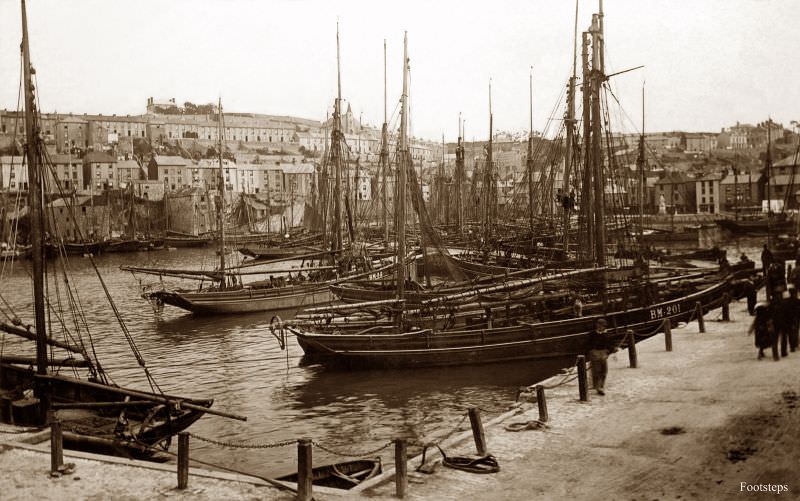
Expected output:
(583, 386)
(668, 334)
(304, 475)
(701, 323)
(400, 468)
(183, 459)
(56, 446)
(726, 308)
(633, 357)
(542, 402)
(477, 430)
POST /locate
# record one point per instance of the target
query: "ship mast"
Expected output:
(530, 157)
(488, 199)
(385, 155)
(35, 199)
(569, 123)
(598, 77)
(587, 194)
(221, 206)
(641, 162)
(768, 169)
(335, 155)
(402, 163)
(460, 178)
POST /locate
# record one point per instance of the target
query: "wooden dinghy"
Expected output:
(344, 475)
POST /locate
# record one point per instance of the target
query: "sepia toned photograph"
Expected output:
(456, 250)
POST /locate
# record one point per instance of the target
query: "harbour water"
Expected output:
(237, 361)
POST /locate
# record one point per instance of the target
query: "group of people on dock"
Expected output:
(777, 322)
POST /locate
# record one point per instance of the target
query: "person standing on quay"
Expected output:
(600, 346)
(764, 329)
(782, 320)
(766, 259)
(791, 313)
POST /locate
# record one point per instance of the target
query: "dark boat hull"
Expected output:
(133, 245)
(476, 346)
(159, 422)
(757, 226)
(274, 252)
(246, 300)
(341, 475)
(186, 241)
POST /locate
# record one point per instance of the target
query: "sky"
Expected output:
(708, 63)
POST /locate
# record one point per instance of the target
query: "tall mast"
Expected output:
(488, 177)
(335, 153)
(324, 186)
(736, 187)
(768, 161)
(641, 163)
(400, 202)
(530, 156)
(597, 153)
(587, 194)
(35, 197)
(221, 206)
(385, 154)
(460, 177)
(569, 124)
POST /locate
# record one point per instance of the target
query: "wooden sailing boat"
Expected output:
(445, 330)
(310, 286)
(770, 224)
(94, 412)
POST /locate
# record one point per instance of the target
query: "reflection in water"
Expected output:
(236, 361)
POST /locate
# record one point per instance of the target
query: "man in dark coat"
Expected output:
(791, 316)
(766, 259)
(782, 318)
(600, 346)
(764, 330)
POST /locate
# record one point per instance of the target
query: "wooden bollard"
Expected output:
(183, 459)
(304, 475)
(542, 402)
(477, 430)
(668, 334)
(400, 468)
(700, 322)
(726, 308)
(56, 446)
(633, 358)
(583, 387)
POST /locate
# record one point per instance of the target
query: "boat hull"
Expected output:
(156, 425)
(757, 226)
(425, 348)
(246, 300)
(186, 241)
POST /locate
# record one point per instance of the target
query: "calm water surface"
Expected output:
(236, 361)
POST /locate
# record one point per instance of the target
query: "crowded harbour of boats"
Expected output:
(444, 286)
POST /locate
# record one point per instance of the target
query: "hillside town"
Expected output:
(272, 163)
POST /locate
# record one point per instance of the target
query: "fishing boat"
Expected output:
(344, 475)
(305, 285)
(271, 251)
(770, 222)
(763, 225)
(35, 389)
(377, 348)
(432, 334)
(176, 239)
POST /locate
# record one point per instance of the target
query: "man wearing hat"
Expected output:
(600, 346)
